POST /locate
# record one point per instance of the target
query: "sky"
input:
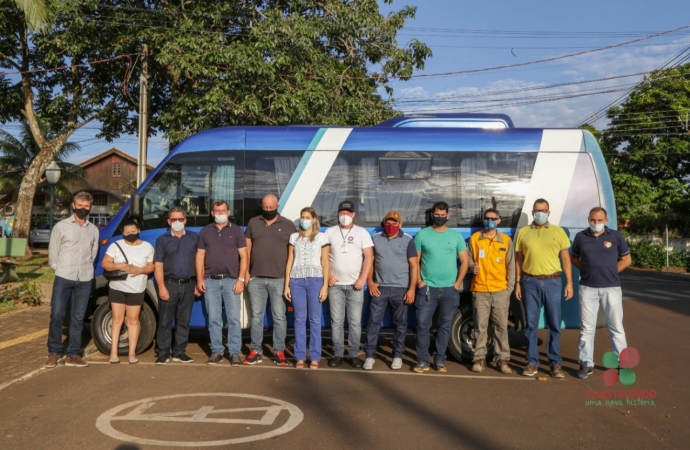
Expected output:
(469, 35)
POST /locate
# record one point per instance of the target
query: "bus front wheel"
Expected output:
(462, 336)
(101, 324)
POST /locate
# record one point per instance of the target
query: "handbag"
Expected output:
(117, 275)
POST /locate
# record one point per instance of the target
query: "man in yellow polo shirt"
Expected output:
(492, 261)
(538, 271)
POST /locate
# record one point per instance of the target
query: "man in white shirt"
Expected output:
(351, 257)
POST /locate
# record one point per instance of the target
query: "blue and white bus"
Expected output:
(406, 164)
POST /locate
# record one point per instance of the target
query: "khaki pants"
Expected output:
(494, 306)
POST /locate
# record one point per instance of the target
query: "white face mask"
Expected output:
(541, 217)
(345, 221)
(221, 218)
(597, 227)
(177, 226)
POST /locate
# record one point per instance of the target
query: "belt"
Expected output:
(543, 277)
(218, 277)
(180, 281)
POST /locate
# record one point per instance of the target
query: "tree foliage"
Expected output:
(647, 148)
(16, 155)
(245, 62)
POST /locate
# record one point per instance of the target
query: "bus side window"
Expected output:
(493, 180)
(408, 182)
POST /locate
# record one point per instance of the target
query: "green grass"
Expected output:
(36, 269)
(9, 306)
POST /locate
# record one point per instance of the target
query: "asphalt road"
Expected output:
(120, 407)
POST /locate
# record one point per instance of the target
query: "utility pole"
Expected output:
(143, 116)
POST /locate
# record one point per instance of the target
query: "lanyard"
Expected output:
(345, 236)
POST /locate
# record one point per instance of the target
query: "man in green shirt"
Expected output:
(439, 284)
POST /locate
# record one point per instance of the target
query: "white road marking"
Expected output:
(644, 294)
(351, 371)
(104, 421)
(674, 294)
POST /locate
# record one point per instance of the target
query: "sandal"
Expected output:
(300, 364)
(133, 360)
(314, 365)
(114, 360)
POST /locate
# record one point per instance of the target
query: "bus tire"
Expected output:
(101, 327)
(462, 338)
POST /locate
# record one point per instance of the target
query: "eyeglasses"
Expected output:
(177, 220)
(491, 218)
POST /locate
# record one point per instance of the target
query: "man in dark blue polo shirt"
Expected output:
(173, 263)
(221, 259)
(601, 254)
(396, 268)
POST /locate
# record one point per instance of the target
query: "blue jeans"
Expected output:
(446, 300)
(611, 300)
(219, 293)
(260, 288)
(535, 294)
(344, 297)
(305, 301)
(64, 291)
(394, 297)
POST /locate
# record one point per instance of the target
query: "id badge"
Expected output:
(343, 248)
(481, 253)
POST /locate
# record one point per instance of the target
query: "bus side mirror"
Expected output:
(135, 206)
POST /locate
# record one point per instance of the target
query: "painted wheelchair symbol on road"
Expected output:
(143, 411)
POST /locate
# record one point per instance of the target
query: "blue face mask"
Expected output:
(541, 217)
(305, 224)
(596, 227)
(490, 224)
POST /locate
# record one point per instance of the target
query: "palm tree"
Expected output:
(17, 153)
(36, 12)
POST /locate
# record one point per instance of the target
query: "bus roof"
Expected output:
(368, 138)
(450, 120)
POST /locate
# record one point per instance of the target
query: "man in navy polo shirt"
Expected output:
(601, 254)
(396, 268)
(173, 263)
(221, 259)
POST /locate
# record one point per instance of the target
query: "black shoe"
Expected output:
(183, 358)
(336, 361)
(235, 360)
(215, 358)
(355, 362)
(162, 359)
(584, 371)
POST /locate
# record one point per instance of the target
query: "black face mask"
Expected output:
(132, 237)
(440, 221)
(81, 212)
(269, 215)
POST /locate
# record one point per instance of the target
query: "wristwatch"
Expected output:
(241, 279)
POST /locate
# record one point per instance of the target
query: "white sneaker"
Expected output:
(397, 364)
(368, 364)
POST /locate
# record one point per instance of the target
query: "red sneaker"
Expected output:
(280, 359)
(254, 357)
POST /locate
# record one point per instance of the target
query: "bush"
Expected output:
(646, 254)
(27, 293)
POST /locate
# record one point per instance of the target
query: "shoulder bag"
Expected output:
(117, 275)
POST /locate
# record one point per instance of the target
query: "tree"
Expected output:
(36, 12)
(16, 155)
(647, 148)
(254, 62)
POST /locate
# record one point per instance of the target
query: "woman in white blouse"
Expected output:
(306, 285)
(134, 256)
